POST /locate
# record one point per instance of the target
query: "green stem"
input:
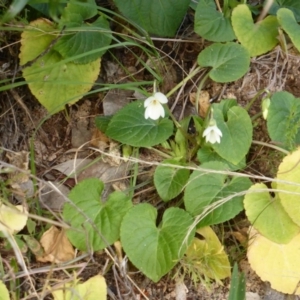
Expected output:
(186, 79)
(179, 85)
(254, 99)
(271, 146)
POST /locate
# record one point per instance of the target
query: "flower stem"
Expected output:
(186, 79)
(248, 106)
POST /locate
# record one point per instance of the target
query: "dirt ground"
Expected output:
(69, 135)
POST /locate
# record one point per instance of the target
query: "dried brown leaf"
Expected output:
(56, 245)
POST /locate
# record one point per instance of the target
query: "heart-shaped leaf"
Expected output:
(212, 24)
(237, 133)
(290, 172)
(95, 36)
(94, 224)
(283, 119)
(155, 250)
(170, 181)
(155, 16)
(130, 127)
(204, 188)
(207, 154)
(268, 216)
(53, 81)
(292, 5)
(229, 61)
(258, 38)
(289, 24)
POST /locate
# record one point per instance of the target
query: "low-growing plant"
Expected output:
(201, 173)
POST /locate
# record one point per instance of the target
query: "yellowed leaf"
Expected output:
(277, 263)
(12, 218)
(93, 289)
(4, 295)
(56, 246)
(208, 255)
(289, 171)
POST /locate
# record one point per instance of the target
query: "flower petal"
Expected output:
(148, 101)
(218, 131)
(160, 97)
(146, 113)
(155, 110)
(212, 134)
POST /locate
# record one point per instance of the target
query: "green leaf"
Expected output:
(293, 5)
(289, 172)
(237, 285)
(51, 80)
(170, 181)
(268, 216)
(205, 188)
(3, 291)
(207, 154)
(76, 12)
(158, 17)
(50, 10)
(91, 37)
(102, 122)
(283, 120)
(155, 250)
(212, 24)
(130, 127)
(229, 61)
(237, 133)
(289, 24)
(258, 38)
(95, 224)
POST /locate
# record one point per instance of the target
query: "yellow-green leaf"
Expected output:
(54, 81)
(278, 264)
(12, 219)
(208, 255)
(289, 171)
(93, 289)
(268, 216)
(258, 38)
(4, 295)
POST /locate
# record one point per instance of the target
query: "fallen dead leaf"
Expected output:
(56, 245)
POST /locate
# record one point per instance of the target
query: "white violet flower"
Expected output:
(212, 133)
(153, 105)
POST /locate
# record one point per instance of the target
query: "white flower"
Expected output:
(153, 105)
(212, 133)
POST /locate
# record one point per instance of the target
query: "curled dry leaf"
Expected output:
(56, 245)
(203, 102)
